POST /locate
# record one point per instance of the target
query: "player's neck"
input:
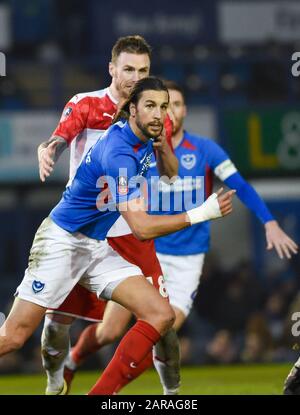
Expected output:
(114, 93)
(137, 131)
(176, 138)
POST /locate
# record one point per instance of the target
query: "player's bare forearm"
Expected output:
(48, 153)
(167, 163)
(146, 226)
(60, 146)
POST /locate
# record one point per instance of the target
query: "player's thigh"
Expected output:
(115, 278)
(142, 254)
(115, 321)
(22, 320)
(107, 269)
(142, 299)
(57, 261)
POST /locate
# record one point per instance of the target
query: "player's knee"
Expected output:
(16, 342)
(169, 319)
(53, 329)
(165, 318)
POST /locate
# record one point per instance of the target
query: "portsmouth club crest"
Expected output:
(37, 286)
(188, 161)
(122, 185)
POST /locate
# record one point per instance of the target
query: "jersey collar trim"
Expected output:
(111, 97)
(181, 141)
(132, 138)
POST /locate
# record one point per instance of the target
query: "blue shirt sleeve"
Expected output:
(218, 160)
(248, 195)
(120, 172)
(215, 154)
(226, 171)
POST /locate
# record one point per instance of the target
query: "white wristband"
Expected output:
(210, 209)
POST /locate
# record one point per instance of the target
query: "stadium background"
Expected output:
(234, 60)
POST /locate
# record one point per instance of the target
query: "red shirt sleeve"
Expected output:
(74, 118)
(169, 130)
(168, 125)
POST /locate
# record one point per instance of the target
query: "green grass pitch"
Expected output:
(217, 380)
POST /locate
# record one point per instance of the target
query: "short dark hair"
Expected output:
(150, 83)
(176, 87)
(130, 44)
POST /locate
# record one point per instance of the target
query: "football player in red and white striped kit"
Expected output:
(85, 118)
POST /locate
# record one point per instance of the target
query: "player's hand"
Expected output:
(46, 162)
(160, 144)
(278, 239)
(225, 201)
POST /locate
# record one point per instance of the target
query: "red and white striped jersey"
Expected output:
(84, 119)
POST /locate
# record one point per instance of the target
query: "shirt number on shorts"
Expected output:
(161, 285)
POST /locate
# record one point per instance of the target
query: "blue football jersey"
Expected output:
(198, 159)
(108, 175)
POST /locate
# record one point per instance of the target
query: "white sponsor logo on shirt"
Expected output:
(105, 114)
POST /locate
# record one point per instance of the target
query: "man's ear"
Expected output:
(111, 69)
(132, 109)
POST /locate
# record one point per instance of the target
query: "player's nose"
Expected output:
(136, 76)
(157, 113)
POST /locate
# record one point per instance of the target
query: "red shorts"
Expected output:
(83, 304)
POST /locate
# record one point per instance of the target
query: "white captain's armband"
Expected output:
(225, 170)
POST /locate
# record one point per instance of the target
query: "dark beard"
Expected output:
(145, 131)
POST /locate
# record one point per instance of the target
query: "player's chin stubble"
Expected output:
(146, 130)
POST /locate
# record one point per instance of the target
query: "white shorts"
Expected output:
(182, 276)
(59, 260)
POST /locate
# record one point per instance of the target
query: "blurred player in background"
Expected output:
(85, 118)
(181, 254)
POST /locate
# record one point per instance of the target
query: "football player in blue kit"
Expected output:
(71, 246)
(182, 253)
